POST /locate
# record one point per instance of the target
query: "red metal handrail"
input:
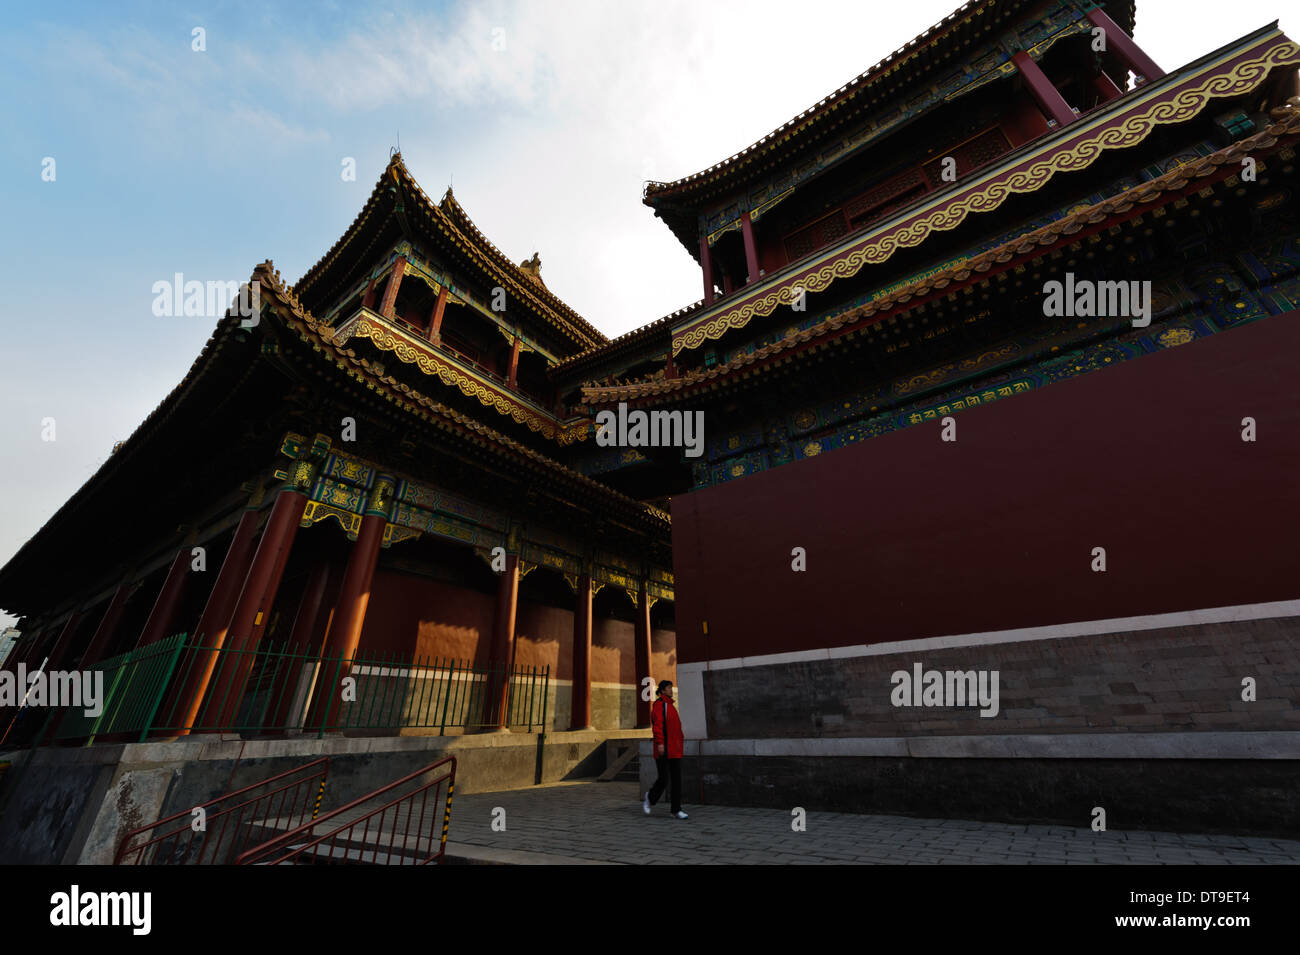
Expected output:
(298, 799)
(343, 845)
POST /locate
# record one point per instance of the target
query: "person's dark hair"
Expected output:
(663, 685)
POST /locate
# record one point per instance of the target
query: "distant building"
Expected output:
(8, 637)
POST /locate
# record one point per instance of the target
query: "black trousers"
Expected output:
(670, 770)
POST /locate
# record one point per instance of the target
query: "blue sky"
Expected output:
(548, 116)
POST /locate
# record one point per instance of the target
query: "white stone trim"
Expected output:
(1281, 744)
(1063, 631)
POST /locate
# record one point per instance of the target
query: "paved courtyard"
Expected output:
(603, 822)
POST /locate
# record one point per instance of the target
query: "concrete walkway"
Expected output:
(603, 822)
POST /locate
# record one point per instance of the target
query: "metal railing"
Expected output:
(134, 684)
(385, 827)
(274, 690)
(228, 825)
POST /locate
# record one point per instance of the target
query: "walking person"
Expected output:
(667, 726)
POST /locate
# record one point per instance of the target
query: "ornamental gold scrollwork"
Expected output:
(451, 376)
(1185, 104)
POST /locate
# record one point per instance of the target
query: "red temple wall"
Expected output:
(408, 613)
(910, 537)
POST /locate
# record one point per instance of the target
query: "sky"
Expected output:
(145, 140)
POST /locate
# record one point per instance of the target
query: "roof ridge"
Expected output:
(613, 343)
(397, 175)
(311, 274)
(459, 219)
(808, 115)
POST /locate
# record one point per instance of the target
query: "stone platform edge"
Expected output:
(1175, 745)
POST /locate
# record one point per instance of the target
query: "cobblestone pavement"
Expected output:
(603, 822)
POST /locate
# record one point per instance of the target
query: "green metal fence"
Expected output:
(133, 685)
(279, 689)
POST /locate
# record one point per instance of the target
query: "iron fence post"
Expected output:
(162, 686)
(546, 688)
(329, 698)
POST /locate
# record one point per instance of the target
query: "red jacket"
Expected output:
(665, 721)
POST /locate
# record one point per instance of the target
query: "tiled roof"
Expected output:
(907, 57)
(449, 219)
(1286, 121)
(631, 339)
(443, 416)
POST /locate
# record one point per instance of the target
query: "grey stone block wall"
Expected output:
(1255, 797)
(74, 805)
(612, 707)
(1176, 679)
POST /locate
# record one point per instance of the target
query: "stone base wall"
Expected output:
(613, 706)
(1140, 718)
(74, 805)
(1173, 679)
(1250, 784)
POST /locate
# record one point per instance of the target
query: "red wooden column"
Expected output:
(63, 643)
(1048, 97)
(300, 643)
(512, 379)
(169, 598)
(45, 649)
(751, 247)
(1120, 43)
(107, 628)
(1106, 88)
(581, 706)
(368, 299)
(497, 694)
(642, 653)
(256, 598)
(434, 331)
(706, 263)
(390, 290)
(350, 608)
(209, 636)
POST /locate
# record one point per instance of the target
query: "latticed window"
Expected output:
(890, 194)
(970, 155)
(815, 235)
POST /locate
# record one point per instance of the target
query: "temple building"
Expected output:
(371, 467)
(995, 356)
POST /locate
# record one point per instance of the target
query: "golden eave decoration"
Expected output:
(1155, 105)
(389, 338)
